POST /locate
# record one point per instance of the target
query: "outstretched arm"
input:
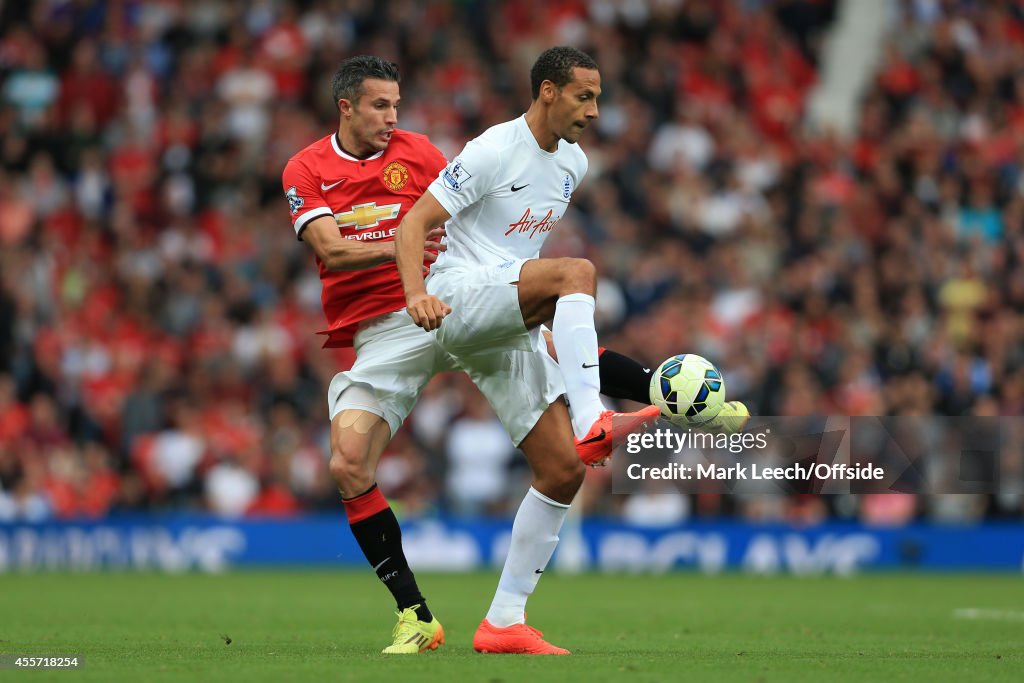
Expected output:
(426, 311)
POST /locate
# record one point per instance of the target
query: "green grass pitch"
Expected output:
(330, 626)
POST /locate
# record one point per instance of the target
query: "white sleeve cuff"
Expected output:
(302, 221)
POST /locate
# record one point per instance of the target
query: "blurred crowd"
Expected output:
(157, 315)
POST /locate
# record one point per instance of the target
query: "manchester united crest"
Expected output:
(396, 175)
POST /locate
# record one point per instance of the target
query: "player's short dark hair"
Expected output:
(348, 79)
(556, 64)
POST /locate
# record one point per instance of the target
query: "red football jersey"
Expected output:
(368, 198)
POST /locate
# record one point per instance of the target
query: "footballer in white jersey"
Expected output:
(505, 195)
(500, 198)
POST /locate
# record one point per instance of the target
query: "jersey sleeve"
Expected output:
(467, 178)
(305, 200)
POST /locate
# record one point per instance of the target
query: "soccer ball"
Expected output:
(689, 389)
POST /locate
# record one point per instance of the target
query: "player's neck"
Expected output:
(348, 145)
(537, 123)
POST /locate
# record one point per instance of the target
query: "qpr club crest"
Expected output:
(295, 202)
(566, 187)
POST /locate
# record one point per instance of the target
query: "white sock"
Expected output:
(534, 537)
(576, 345)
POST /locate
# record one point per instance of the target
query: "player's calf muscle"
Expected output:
(557, 470)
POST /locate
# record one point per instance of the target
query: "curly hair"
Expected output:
(556, 64)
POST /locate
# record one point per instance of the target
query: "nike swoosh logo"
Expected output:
(599, 437)
(516, 189)
(647, 371)
(592, 365)
(382, 563)
(327, 187)
(538, 571)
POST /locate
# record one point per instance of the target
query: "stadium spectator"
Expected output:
(884, 272)
(479, 454)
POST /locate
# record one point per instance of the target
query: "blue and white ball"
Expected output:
(688, 389)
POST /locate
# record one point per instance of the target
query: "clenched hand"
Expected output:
(426, 310)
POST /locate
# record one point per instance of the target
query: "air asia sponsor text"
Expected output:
(531, 224)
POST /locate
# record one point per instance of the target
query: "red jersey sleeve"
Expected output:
(306, 200)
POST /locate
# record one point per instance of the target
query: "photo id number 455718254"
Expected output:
(37, 661)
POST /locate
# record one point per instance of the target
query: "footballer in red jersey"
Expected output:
(346, 196)
(365, 197)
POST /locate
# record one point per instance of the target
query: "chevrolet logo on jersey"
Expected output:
(370, 215)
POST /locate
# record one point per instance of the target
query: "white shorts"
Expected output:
(487, 338)
(485, 309)
(519, 385)
(394, 361)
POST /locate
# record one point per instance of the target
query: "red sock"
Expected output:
(365, 505)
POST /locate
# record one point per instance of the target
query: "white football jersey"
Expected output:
(505, 194)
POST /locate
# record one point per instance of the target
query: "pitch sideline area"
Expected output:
(303, 625)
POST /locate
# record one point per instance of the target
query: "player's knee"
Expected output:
(581, 275)
(350, 467)
(563, 480)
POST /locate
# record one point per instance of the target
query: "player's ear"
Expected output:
(345, 107)
(548, 92)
